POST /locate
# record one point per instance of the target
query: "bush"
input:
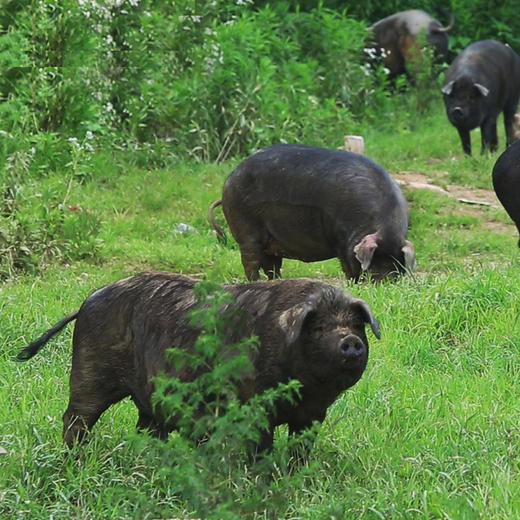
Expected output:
(213, 79)
(206, 462)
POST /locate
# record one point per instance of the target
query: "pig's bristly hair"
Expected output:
(30, 350)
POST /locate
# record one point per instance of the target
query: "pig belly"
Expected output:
(299, 233)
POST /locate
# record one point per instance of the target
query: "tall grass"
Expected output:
(430, 431)
(118, 124)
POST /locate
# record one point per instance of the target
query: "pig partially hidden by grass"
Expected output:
(307, 330)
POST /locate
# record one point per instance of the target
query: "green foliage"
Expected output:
(38, 226)
(213, 79)
(207, 459)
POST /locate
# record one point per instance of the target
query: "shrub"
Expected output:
(206, 462)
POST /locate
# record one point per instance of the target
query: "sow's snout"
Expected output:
(457, 114)
(353, 350)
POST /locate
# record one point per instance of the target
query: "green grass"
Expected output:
(431, 430)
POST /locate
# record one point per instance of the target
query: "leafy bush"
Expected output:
(214, 79)
(206, 462)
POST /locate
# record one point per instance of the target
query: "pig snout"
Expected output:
(457, 113)
(352, 349)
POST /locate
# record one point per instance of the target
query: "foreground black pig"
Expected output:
(506, 181)
(482, 81)
(308, 330)
(307, 203)
(396, 37)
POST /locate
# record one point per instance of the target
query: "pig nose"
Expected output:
(352, 347)
(458, 112)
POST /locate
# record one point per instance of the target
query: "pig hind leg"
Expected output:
(509, 117)
(272, 266)
(252, 254)
(251, 261)
(90, 395)
(489, 135)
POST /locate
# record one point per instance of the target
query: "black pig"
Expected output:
(307, 330)
(308, 203)
(506, 181)
(482, 81)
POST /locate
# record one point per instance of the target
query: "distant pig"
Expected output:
(397, 38)
(506, 181)
(307, 330)
(482, 81)
(308, 203)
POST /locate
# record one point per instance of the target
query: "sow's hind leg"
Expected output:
(254, 257)
(509, 121)
(272, 265)
(93, 388)
(253, 243)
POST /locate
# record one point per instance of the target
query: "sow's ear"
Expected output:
(291, 321)
(481, 89)
(409, 256)
(367, 315)
(448, 88)
(364, 250)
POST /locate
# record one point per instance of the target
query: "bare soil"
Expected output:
(473, 201)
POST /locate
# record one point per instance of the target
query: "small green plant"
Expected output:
(424, 69)
(211, 460)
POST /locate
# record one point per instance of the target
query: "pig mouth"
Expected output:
(355, 365)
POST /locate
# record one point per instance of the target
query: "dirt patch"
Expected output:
(416, 180)
(473, 201)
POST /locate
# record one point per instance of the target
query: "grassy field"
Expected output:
(431, 431)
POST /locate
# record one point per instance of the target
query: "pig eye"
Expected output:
(318, 330)
(314, 325)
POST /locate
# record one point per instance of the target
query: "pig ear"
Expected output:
(368, 317)
(291, 320)
(481, 88)
(448, 88)
(364, 251)
(409, 256)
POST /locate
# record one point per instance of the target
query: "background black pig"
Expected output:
(308, 203)
(308, 330)
(398, 35)
(482, 81)
(506, 181)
